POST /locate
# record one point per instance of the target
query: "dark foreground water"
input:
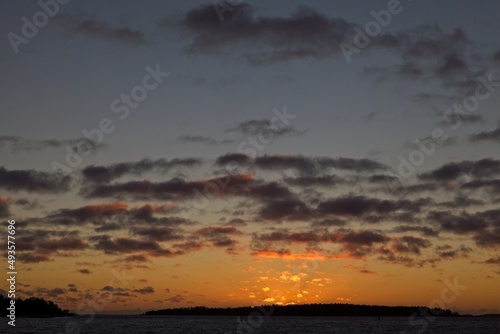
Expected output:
(258, 324)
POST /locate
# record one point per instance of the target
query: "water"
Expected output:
(257, 325)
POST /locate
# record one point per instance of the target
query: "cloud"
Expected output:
(129, 245)
(493, 135)
(493, 260)
(219, 236)
(410, 244)
(174, 189)
(314, 181)
(176, 299)
(233, 158)
(84, 271)
(424, 230)
(33, 181)
(101, 29)
(357, 206)
(54, 293)
(492, 185)
(20, 144)
(483, 168)
(265, 128)
(65, 244)
(353, 244)
(488, 238)
(159, 233)
(4, 207)
(27, 204)
(203, 140)
(304, 34)
(33, 258)
(456, 118)
(145, 291)
(106, 174)
(280, 209)
(359, 270)
(310, 166)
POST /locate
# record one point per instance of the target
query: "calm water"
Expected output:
(317, 325)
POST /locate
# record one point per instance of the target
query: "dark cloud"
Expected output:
(136, 258)
(176, 299)
(203, 140)
(20, 144)
(296, 237)
(106, 174)
(27, 204)
(483, 168)
(54, 293)
(84, 271)
(158, 233)
(488, 238)
(232, 158)
(410, 244)
(304, 34)
(358, 206)
(33, 181)
(264, 128)
(174, 189)
(101, 29)
(220, 236)
(129, 245)
(356, 244)
(269, 191)
(280, 209)
(459, 118)
(461, 201)
(451, 65)
(350, 164)
(363, 238)
(236, 222)
(424, 230)
(312, 166)
(492, 185)
(493, 260)
(493, 135)
(63, 244)
(335, 222)
(314, 181)
(462, 224)
(30, 257)
(145, 291)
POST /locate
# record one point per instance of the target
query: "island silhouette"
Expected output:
(32, 307)
(337, 309)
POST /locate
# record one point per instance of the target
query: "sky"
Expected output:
(173, 154)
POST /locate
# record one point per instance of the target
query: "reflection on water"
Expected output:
(173, 324)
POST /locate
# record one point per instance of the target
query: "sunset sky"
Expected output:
(166, 154)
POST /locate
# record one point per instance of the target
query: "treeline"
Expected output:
(32, 307)
(310, 310)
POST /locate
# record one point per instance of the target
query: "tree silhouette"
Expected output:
(33, 307)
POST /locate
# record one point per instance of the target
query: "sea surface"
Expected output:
(254, 324)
